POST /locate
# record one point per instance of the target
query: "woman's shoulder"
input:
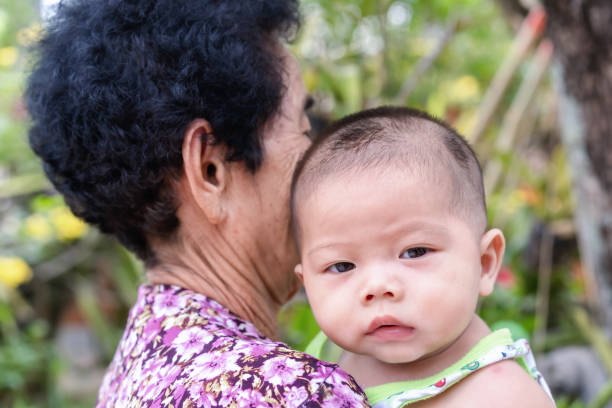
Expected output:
(193, 350)
(297, 378)
(218, 370)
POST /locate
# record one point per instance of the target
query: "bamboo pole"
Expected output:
(510, 126)
(426, 62)
(595, 336)
(530, 30)
(543, 291)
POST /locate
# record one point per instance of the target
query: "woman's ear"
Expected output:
(492, 246)
(205, 169)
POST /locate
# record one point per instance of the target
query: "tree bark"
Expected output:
(581, 31)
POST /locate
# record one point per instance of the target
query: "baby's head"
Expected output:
(390, 218)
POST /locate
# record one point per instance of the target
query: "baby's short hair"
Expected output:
(396, 138)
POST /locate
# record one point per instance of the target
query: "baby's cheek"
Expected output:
(448, 313)
(461, 318)
(330, 313)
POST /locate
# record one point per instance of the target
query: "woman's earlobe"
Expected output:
(492, 247)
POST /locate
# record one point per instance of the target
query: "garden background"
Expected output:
(529, 86)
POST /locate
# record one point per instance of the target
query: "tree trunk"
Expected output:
(581, 31)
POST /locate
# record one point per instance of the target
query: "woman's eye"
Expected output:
(414, 252)
(340, 267)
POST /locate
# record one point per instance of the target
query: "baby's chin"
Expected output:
(401, 354)
(397, 359)
(390, 356)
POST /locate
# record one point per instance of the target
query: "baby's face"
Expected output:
(389, 272)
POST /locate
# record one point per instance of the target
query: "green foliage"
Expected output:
(298, 324)
(565, 402)
(65, 267)
(359, 53)
(354, 54)
(26, 360)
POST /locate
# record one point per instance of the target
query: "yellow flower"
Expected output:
(67, 226)
(423, 46)
(464, 89)
(29, 35)
(8, 56)
(37, 227)
(14, 271)
(466, 122)
(311, 79)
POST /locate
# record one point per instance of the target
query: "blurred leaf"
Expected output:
(23, 184)
(128, 275)
(44, 202)
(6, 316)
(89, 306)
(299, 324)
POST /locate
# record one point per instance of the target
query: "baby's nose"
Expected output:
(381, 289)
(370, 296)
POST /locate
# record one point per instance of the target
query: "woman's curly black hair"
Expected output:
(116, 83)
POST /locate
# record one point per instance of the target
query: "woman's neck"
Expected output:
(370, 372)
(221, 276)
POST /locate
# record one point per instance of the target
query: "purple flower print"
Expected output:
(151, 330)
(341, 399)
(178, 393)
(254, 350)
(168, 304)
(204, 356)
(281, 370)
(191, 341)
(171, 335)
(166, 377)
(321, 374)
(201, 398)
(208, 366)
(296, 396)
(251, 399)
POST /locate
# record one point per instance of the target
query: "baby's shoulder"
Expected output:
(503, 384)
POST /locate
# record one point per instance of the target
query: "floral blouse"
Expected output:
(182, 349)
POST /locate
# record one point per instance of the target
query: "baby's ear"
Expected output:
(298, 272)
(492, 246)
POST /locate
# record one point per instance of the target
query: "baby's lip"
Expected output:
(384, 321)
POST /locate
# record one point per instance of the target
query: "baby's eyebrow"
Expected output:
(418, 227)
(326, 246)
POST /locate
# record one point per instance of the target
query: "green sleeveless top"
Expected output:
(495, 347)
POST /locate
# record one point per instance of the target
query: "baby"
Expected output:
(390, 219)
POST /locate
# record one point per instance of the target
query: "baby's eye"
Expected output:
(340, 267)
(414, 252)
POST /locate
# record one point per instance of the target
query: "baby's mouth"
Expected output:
(389, 328)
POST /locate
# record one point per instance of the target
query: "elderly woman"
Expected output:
(175, 125)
